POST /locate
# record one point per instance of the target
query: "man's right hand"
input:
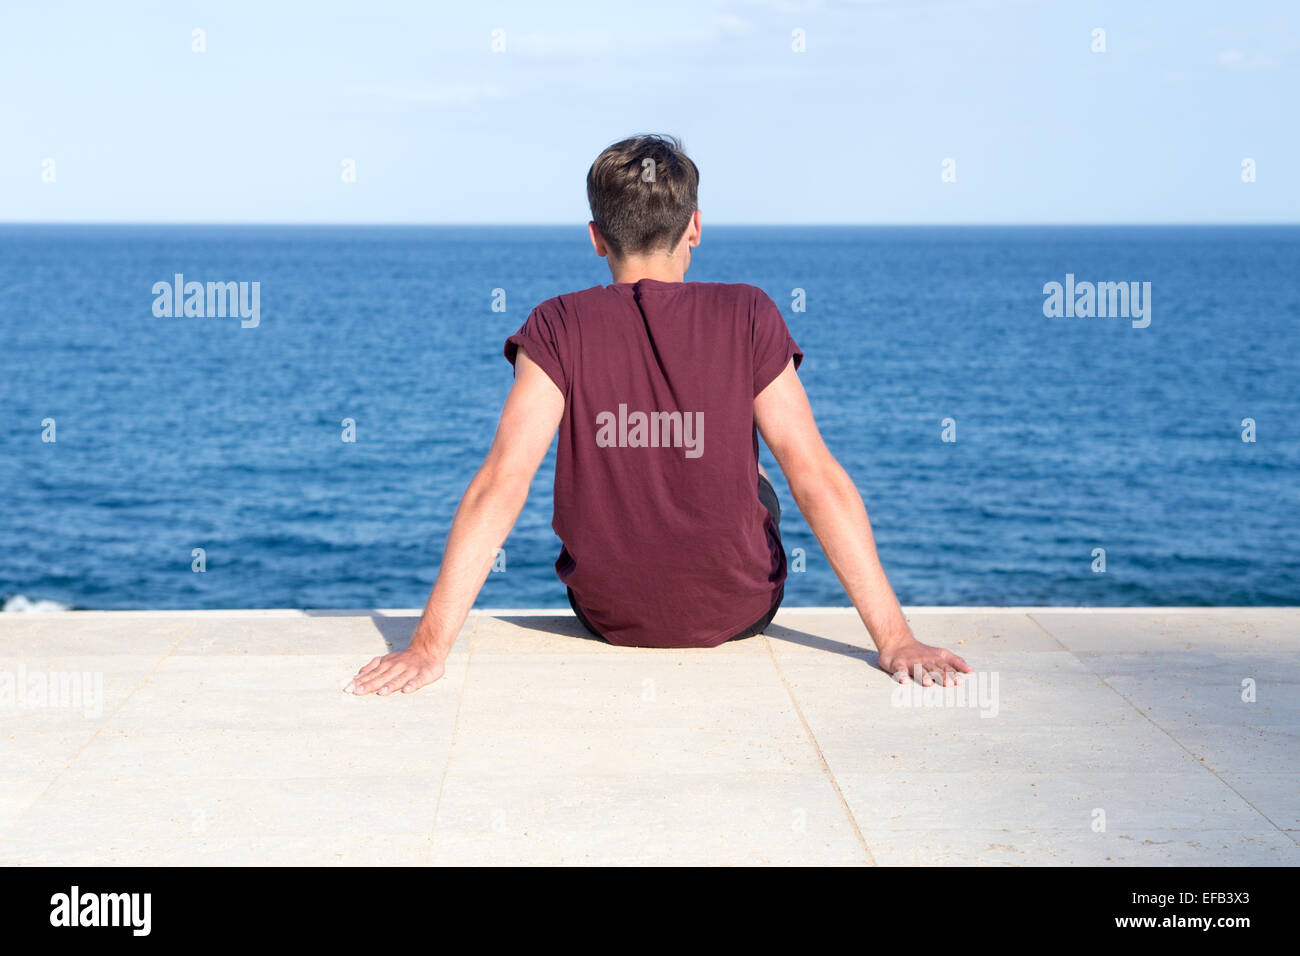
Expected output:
(928, 665)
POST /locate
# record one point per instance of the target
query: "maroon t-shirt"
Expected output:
(656, 474)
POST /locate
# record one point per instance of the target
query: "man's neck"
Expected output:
(660, 268)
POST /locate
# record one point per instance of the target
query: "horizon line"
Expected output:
(575, 225)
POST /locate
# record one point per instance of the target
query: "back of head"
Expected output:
(642, 192)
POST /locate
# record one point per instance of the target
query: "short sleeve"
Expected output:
(773, 344)
(542, 337)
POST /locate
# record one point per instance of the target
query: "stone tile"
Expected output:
(557, 714)
(1029, 711)
(1232, 748)
(361, 635)
(585, 694)
(344, 849)
(742, 818)
(407, 748)
(1275, 795)
(632, 847)
(91, 808)
(225, 738)
(1241, 630)
(286, 693)
(794, 631)
(66, 694)
(983, 847)
(1125, 801)
(1242, 690)
(29, 753)
(17, 795)
(536, 634)
(91, 633)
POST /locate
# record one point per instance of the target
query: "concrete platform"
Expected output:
(1115, 736)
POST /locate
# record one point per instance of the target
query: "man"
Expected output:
(659, 388)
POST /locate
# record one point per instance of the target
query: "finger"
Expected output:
(379, 678)
(362, 684)
(950, 678)
(939, 668)
(421, 679)
(370, 667)
(393, 680)
(936, 669)
(352, 686)
(957, 662)
(924, 675)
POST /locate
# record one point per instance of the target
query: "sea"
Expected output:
(1012, 445)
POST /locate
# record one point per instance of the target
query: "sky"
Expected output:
(109, 113)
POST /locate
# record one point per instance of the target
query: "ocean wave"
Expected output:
(22, 604)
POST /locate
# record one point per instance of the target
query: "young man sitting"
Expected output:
(659, 388)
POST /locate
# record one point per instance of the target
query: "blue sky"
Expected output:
(853, 130)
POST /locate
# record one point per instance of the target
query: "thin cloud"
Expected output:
(1235, 59)
(451, 94)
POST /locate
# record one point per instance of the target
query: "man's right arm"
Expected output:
(830, 502)
(487, 512)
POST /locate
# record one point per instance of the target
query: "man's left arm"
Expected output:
(487, 512)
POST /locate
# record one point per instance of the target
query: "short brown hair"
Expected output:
(643, 192)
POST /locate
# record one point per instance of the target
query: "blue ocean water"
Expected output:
(1072, 434)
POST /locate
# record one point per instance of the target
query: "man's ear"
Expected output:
(693, 230)
(597, 240)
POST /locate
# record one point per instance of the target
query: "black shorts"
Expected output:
(767, 496)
